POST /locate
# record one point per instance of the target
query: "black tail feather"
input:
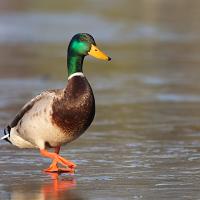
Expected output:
(7, 132)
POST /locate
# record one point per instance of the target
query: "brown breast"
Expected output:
(74, 110)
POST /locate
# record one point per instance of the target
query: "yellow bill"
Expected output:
(95, 52)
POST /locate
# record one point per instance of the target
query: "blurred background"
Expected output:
(145, 140)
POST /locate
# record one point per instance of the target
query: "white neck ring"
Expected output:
(76, 74)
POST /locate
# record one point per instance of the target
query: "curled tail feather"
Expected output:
(6, 134)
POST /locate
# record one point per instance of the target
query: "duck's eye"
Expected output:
(82, 39)
(96, 50)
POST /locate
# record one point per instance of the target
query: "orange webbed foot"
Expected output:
(52, 168)
(64, 162)
(69, 167)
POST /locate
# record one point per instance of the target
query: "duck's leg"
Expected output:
(53, 167)
(57, 159)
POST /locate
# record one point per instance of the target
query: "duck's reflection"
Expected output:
(59, 188)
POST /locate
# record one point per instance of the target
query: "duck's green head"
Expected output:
(81, 45)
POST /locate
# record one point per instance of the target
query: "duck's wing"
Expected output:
(29, 105)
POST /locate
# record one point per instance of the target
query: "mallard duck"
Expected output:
(57, 117)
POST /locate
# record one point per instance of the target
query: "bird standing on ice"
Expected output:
(56, 117)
